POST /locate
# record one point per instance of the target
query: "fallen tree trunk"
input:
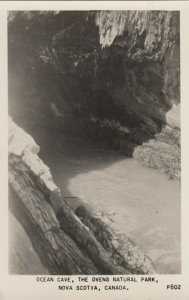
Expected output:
(65, 243)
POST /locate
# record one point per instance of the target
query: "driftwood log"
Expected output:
(66, 241)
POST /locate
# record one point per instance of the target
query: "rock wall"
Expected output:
(65, 243)
(118, 72)
(121, 65)
(150, 38)
(129, 74)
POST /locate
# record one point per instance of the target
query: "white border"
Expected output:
(26, 287)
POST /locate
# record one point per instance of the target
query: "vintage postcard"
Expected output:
(93, 167)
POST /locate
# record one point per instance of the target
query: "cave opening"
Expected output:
(90, 109)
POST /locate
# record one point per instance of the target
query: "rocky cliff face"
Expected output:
(122, 65)
(128, 69)
(150, 39)
(117, 70)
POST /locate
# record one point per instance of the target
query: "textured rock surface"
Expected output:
(31, 186)
(122, 250)
(108, 69)
(121, 65)
(138, 73)
(162, 153)
(150, 38)
(64, 243)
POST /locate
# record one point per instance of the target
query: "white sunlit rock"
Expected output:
(19, 141)
(173, 116)
(23, 145)
(110, 25)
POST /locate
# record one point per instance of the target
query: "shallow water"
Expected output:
(141, 202)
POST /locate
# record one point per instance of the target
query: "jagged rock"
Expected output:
(64, 243)
(122, 250)
(162, 153)
(122, 65)
(138, 75)
(109, 66)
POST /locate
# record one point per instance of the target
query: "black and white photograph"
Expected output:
(94, 148)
